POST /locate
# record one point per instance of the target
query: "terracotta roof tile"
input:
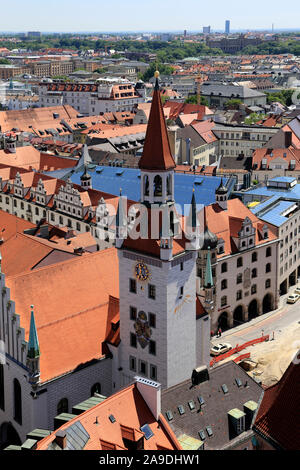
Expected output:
(130, 412)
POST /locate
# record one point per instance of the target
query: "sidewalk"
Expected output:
(255, 321)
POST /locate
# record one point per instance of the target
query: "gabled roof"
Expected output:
(227, 223)
(157, 153)
(75, 302)
(130, 412)
(278, 417)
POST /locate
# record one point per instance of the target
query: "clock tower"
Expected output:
(157, 273)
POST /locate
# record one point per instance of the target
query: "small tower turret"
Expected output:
(222, 195)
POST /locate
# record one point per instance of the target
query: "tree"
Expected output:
(163, 69)
(254, 117)
(193, 99)
(233, 103)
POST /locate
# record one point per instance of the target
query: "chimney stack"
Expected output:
(151, 393)
(61, 439)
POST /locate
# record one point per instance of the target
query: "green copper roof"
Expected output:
(208, 272)
(33, 345)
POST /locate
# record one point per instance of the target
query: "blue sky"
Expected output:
(146, 15)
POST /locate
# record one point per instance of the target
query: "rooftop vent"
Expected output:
(200, 375)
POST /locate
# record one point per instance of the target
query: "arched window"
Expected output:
(239, 278)
(224, 268)
(239, 262)
(223, 301)
(157, 186)
(254, 257)
(146, 185)
(63, 406)
(268, 251)
(17, 401)
(268, 267)
(169, 185)
(96, 388)
(224, 284)
(254, 272)
(172, 222)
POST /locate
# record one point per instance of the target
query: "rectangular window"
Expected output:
(151, 291)
(132, 285)
(152, 320)
(133, 343)
(152, 347)
(143, 368)
(153, 372)
(132, 363)
(133, 313)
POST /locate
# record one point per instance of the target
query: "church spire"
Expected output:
(157, 154)
(33, 345)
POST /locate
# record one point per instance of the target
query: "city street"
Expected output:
(272, 357)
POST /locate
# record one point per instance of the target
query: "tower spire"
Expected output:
(33, 345)
(157, 154)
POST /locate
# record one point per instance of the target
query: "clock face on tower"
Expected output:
(142, 272)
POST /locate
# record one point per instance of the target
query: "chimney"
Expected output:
(151, 393)
(61, 439)
(287, 139)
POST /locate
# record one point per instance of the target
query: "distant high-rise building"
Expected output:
(206, 29)
(227, 26)
(34, 34)
(184, 33)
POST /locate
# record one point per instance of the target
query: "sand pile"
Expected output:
(273, 357)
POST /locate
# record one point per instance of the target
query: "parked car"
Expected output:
(297, 290)
(292, 298)
(221, 348)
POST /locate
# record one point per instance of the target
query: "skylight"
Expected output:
(147, 431)
(181, 410)
(169, 415)
(191, 404)
(202, 435)
(201, 400)
(238, 382)
(209, 431)
(225, 389)
(112, 419)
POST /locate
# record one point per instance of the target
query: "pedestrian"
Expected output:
(211, 333)
(220, 332)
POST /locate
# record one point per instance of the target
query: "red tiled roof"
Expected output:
(227, 223)
(130, 412)
(278, 417)
(74, 323)
(157, 154)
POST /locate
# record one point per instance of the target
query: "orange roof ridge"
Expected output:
(61, 263)
(157, 153)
